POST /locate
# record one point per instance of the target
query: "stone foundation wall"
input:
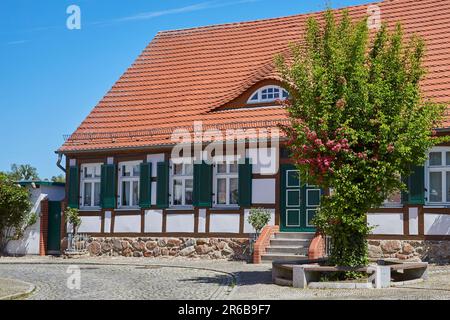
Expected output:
(208, 248)
(412, 250)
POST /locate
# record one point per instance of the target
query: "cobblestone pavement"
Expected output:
(129, 278)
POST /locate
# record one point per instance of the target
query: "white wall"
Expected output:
(414, 221)
(153, 221)
(263, 191)
(202, 220)
(437, 224)
(265, 161)
(127, 224)
(247, 226)
(88, 225)
(386, 223)
(29, 244)
(108, 219)
(224, 223)
(180, 222)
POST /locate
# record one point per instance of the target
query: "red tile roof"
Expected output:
(183, 75)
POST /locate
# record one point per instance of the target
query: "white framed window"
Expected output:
(269, 94)
(226, 184)
(181, 184)
(437, 176)
(129, 184)
(90, 183)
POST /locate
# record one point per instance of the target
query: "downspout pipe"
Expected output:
(58, 163)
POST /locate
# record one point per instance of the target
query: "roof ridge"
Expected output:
(230, 24)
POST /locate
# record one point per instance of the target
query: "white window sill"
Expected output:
(436, 205)
(128, 209)
(84, 209)
(388, 206)
(224, 207)
(180, 208)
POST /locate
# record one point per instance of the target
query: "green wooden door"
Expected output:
(299, 202)
(54, 227)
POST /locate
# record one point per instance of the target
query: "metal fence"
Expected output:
(77, 243)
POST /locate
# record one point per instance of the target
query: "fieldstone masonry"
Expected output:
(207, 248)
(412, 250)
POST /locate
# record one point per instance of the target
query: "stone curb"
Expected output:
(28, 291)
(223, 290)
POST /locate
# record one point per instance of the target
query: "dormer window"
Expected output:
(269, 94)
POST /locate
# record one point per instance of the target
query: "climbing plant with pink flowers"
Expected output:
(359, 121)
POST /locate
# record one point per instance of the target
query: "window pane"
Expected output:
(285, 94)
(189, 187)
(435, 186)
(136, 170)
(222, 168)
(221, 191)
(126, 172)
(126, 193)
(188, 169)
(88, 172)
(255, 97)
(135, 193)
(447, 155)
(97, 194)
(177, 192)
(435, 158)
(87, 195)
(233, 168)
(234, 191)
(178, 169)
(98, 171)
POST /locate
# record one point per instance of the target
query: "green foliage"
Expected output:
(259, 218)
(15, 214)
(60, 178)
(72, 216)
(23, 172)
(359, 122)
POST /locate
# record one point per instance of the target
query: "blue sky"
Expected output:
(51, 77)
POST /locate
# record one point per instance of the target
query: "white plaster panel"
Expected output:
(54, 193)
(90, 225)
(264, 160)
(224, 223)
(127, 224)
(72, 162)
(386, 223)
(202, 220)
(110, 160)
(153, 193)
(180, 222)
(437, 224)
(153, 221)
(263, 191)
(247, 226)
(108, 216)
(28, 244)
(154, 159)
(413, 221)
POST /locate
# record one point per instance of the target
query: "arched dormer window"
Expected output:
(269, 94)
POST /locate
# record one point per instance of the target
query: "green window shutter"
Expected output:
(416, 186)
(145, 191)
(162, 186)
(202, 185)
(74, 188)
(245, 184)
(108, 186)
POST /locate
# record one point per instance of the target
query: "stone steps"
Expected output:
(288, 246)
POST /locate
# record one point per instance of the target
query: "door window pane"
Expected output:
(435, 158)
(234, 191)
(222, 191)
(188, 169)
(136, 170)
(126, 172)
(126, 193)
(178, 169)
(87, 194)
(97, 194)
(447, 158)
(135, 193)
(233, 168)
(435, 186)
(189, 187)
(447, 185)
(177, 192)
(98, 172)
